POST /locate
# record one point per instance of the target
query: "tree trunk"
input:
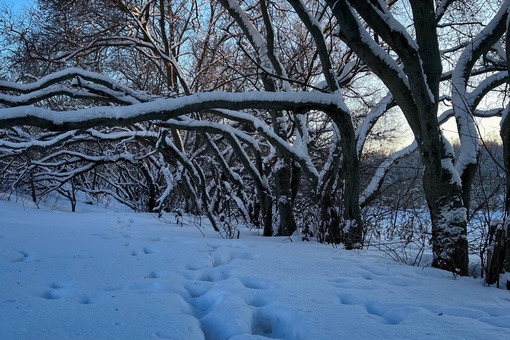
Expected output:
(448, 215)
(283, 179)
(151, 187)
(352, 221)
(505, 137)
(329, 220)
(266, 204)
(495, 253)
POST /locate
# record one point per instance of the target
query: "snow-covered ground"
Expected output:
(111, 274)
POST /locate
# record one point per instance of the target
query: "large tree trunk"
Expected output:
(283, 179)
(443, 192)
(505, 137)
(414, 82)
(352, 221)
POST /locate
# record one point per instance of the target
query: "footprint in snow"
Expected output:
(256, 283)
(150, 249)
(340, 282)
(198, 288)
(25, 256)
(212, 260)
(158, 274)
(54, 294)
(277, 322)
(350, 299)
(396, 315)
(366, 275)
(58, 290)
(214, 275)
(498, 321)
(220, 257)
(392, 314)
(87, 300)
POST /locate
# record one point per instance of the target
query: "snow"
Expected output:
(447, 164)
(7, 146)
(77, 76)
(377, 180)
(384, 57)
(464, 102)
(368, 123)
(110, 274)
(172, 107)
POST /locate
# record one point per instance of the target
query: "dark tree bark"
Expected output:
(416, 90)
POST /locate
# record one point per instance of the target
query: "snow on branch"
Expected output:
(7, 146)
(297, 153)
(378, 179)
(463, 102)
(375, 113)
(71, 74)
(164, 109)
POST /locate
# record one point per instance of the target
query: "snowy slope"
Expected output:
(107, 274)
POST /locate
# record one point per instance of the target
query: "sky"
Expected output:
(16, 4)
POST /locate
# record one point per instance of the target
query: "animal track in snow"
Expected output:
(256, 283)
(65, 290)
(150, 249)
(87, 300)
(198, 288)
(158, 274)
(394, 314)
(54, 294)
(349, 299)
(391, 313)
(59, 284)
(214, 275)
(340, 282)
(366, 275)
(274, 322)
(58, 290)
(25, 256)
(387, 276)
(212, 280)
(145, 250)
(219, 256)
(498, 321)
(367, 284)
